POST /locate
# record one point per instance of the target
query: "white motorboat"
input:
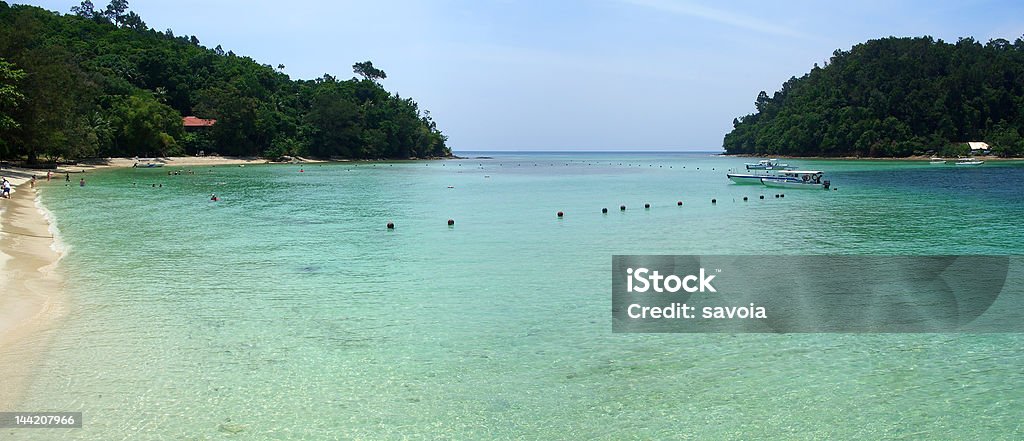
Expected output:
(969, 162)
(752, 178)
(766, 164)
(799, 179)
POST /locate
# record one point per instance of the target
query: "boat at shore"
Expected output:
(798, 179)
(936, 161)
(146, 163)
(968, 162)
(766, 164)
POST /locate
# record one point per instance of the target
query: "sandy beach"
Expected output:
(32, 300)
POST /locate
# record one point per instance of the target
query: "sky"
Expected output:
(567, 74)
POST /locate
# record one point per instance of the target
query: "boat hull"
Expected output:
(748, 179)
(774, 183)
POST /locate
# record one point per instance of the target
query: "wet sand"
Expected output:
(32, 299)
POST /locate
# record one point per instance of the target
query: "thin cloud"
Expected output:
(718, 16)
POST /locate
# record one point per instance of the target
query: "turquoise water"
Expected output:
(288, 311)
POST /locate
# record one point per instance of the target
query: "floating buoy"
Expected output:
(560, 214)
(647, 206)
(762, 196)
(776, 195)
(604, 210)
(622, 208)
(714, 201)
(744, 198)
(679, 203)
(391, 225)
(451, 222)
(782, 195)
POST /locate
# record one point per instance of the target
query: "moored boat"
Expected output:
(969, 162)
(766, 164)
(936, 161)
(751, 179)
(799, 179)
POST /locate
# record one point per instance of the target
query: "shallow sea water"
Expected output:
(288, 311)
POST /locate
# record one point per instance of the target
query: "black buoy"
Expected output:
(647, 206)
(560, 214)
(622, 208)
(714, 201)
(762, 196)
(391, 225)
(679, 203)
(744, 198)
(776, 195)
(451, 222)
(782, 195)
(604, 210)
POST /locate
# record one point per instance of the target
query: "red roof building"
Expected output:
(191, 121)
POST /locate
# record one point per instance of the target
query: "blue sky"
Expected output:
(570, 75)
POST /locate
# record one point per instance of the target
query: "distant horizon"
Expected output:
(608, 74)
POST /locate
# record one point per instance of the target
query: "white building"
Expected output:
(978, 147)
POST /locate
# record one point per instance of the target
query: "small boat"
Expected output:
(969, 162)
(751, 179)
(800, 179)
(148, 164)
(766, 164)
(936, 161)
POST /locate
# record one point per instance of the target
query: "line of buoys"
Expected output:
(391, 225)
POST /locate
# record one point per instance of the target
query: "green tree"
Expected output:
(368, 72)
(86, 9)
(115, 11)
(10, 97)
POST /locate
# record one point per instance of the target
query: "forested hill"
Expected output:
(98, 82)
(894, 97)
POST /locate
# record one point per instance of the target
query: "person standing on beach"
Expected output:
(33, 182)
(48, 176)
(6, 189)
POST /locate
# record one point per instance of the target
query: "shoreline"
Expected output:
(32, 297)
(180, 161)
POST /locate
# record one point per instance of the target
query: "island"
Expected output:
(894, 97)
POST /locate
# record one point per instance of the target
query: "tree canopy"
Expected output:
(893, 97)
(98, 82)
